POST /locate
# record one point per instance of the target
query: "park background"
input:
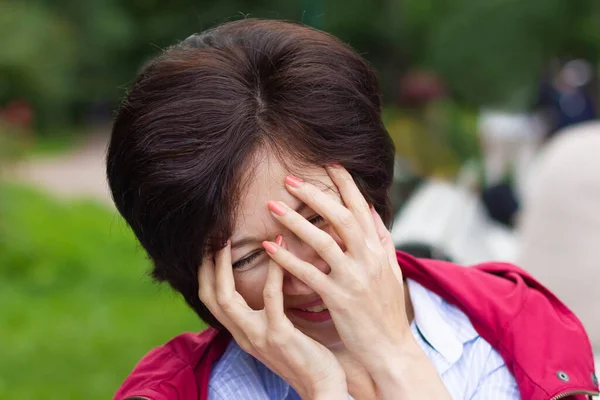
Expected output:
(77, 308)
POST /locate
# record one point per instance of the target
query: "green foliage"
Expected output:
(11, 147)
(67, 57)
(435, 141)
(494, 52)
(37, 58)
(56, 142)
(77, 309)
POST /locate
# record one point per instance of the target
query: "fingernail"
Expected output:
(276, 207)
(270, 247)
(336, 165)
(293, 181)
(279, 240)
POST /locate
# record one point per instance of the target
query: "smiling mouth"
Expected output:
(312, 312)
(315, 309)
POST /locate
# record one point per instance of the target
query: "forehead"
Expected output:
(264, 181)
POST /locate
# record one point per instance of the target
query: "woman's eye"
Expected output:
(316, 220)
(247, 261)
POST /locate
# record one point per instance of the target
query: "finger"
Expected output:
(206, 279)
(206, 292)
(229, 300)
(353, 198)
(386, 240)
(383, 233)
(319, 240)
(306, 272)
(342, 219)
(208, 295)
(273, 291)
(224, 274)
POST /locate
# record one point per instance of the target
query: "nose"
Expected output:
(293, 285)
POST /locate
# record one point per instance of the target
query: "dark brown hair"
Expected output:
(187, 129)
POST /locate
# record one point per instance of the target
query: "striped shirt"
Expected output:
(468, 365)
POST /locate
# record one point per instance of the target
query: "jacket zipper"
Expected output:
(573, 393)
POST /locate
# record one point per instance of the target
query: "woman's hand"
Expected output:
(364, 291)
(268, 335)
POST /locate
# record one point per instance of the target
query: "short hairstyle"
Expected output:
(185, 134)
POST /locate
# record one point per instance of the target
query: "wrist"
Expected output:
(333, 388)
(335, 395)
(408, 374)
(394, 364)
(339, 392)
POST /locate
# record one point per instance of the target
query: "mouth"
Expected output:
(318, 308)
(315, 311)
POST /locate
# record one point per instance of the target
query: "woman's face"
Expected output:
(255, 224)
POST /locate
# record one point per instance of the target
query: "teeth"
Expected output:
(320, 308)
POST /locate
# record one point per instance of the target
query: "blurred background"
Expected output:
(473, 91)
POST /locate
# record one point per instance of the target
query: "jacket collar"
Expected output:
(542, 342)
(536, 335)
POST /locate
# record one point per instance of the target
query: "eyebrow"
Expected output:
(253, 239)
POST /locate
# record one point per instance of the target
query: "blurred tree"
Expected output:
(493, 52)
(369, 27)
(36, 59)
(103, 33)
(68, 56)
(114, 38)
(583, 36)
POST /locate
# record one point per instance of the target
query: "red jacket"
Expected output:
(542, 342)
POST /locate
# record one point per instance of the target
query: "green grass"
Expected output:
(77, 310)
(54, 143)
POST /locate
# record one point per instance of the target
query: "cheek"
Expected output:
(250, 285)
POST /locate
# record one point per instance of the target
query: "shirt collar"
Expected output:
(443, 327)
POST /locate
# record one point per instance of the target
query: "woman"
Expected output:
(253, 166)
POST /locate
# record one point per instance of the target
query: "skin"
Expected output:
(347, 260)
(256, 221)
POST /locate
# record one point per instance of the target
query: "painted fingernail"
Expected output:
(293, 181)
(279, 240)
(270, 247)
(276, 207)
